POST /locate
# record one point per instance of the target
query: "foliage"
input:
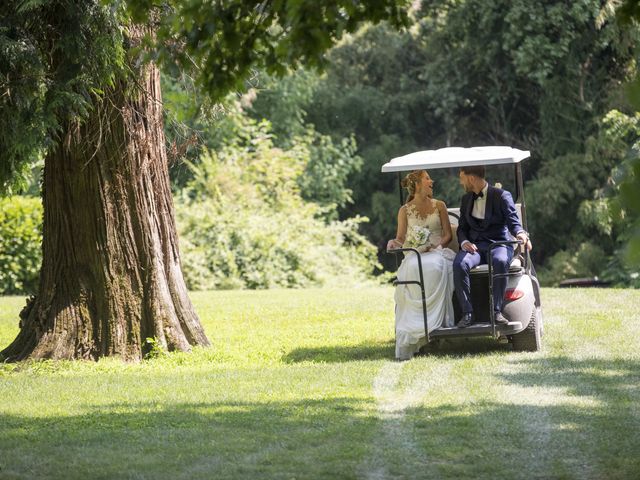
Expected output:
(553, 202)
(539, 76)
(371, 91)
(186, 120)
(154, 349)
(628, 13)
(592, 208)
(588, 261)
(534, 74)
(615, 212)
(211, 128)
(333, 159)
(195, 125)
(56, 57)
(245, 224)
(326, 173)
(226, 40)
(630, 200)
(372, 87)
(236, 248)
(20, 244)
(284, 102)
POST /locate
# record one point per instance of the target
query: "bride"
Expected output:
(423, 223)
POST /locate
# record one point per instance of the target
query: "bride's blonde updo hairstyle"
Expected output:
(410, 181)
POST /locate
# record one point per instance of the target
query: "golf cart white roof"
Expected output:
(455, 157)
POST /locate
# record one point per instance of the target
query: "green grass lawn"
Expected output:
(302, 384)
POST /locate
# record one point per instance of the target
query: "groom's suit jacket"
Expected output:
(500, 218)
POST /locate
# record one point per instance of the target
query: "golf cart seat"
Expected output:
(514, 267)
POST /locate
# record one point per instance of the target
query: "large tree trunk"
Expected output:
(111, 274)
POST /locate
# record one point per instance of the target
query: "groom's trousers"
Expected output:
(465, 261)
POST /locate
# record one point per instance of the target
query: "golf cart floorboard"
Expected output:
(476, 329)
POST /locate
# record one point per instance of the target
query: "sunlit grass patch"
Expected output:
(302, 384)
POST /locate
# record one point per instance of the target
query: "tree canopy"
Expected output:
(544, 76)
(224, 41)
(538, 76)
(56, 55)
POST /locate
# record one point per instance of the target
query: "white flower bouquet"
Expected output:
(417, 236)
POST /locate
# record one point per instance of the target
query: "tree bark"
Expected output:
(111, 275)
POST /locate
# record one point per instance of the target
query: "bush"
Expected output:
(244, 222)
(589, 260)
(20, 244)
(239, 248)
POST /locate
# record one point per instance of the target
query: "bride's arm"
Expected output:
(446, 225)
(401, 233)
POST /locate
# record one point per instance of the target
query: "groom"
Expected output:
(487, 214)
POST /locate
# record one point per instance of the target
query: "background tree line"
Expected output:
(549, 77)
(272, 183)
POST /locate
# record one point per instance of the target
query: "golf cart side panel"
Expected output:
(524, 307)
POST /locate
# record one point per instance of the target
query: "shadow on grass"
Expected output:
(386, 351)
(462, 347)
(341, 353)
(307, 438)
(572, 419)
(608, 380)
(341, 437)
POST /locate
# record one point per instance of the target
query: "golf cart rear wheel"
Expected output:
(529, 339)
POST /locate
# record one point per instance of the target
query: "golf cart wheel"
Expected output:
(529, 339)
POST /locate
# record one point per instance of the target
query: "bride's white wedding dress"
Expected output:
(437, 269)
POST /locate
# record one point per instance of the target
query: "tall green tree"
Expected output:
(373, 90)
(629, 14)
(75, 79)
(536, 75)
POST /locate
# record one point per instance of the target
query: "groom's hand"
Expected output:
(469, 247)
(524, 238)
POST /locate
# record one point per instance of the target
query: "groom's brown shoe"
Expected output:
(465, 321)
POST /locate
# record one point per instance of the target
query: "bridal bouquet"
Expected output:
(417, 236)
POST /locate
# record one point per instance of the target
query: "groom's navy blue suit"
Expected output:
(500, 220)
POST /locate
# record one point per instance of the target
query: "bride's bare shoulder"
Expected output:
(440, 204)
(407, 206)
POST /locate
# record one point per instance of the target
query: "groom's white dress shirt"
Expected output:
(480, 204)
(479, 207)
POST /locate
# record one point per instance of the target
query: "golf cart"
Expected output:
(522, 305)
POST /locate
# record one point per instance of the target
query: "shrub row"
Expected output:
(20, 244)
